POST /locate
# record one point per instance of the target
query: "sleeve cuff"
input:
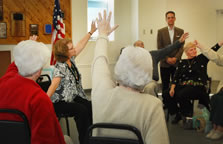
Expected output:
(103, 36)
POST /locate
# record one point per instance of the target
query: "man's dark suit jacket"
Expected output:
(163, 39)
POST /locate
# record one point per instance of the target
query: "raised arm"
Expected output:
(180, 52)
(162, 53)
(211, 54)
(101, 75)
(82, 43)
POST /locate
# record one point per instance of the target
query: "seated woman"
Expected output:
(216, 115)
(125, 104)
(189, 83)
(66, 90)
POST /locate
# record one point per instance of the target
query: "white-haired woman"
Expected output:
(20, 91)
(125, 103)
(189, 83)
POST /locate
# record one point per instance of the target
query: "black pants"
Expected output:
(166, 75)
(183, 96)
(81, 109)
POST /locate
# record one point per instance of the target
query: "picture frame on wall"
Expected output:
(18, 24)
(3, 30)
(47, 29)
(33, 29)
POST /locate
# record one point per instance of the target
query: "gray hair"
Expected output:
(30, 56)
(134, 68)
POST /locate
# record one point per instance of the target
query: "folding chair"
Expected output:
(44, 82)
(14, 132)
(65, 116)
(113, 140)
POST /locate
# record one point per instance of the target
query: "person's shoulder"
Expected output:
(39, 96)
(151, 103)
(60, 65)
(162, 29)
(150, 99)
(179, 29)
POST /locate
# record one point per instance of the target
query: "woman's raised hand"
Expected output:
(93, 27)
(104, 24)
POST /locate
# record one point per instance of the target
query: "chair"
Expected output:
(66, 116)
(113, 140)
(44, 82)
(14, 132)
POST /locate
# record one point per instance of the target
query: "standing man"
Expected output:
(166, 36)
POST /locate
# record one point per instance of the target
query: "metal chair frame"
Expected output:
(20, 129)
(113, 140)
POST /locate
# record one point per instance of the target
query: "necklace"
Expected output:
(75, 73)
(190, 62)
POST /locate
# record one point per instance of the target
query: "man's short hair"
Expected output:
(172, 12)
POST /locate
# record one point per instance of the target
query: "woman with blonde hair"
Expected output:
(189, 83)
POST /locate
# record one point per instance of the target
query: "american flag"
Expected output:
(58, 28)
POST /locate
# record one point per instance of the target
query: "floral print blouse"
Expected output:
(70, 85)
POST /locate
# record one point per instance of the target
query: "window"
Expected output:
(96, 6)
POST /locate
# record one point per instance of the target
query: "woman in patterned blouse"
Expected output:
(189, 83)
(66, 90)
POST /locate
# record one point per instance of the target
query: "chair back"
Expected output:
(14, 132)
(208, 86)
(113, 140)
(44, 82)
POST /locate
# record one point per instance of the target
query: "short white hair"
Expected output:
(30, 56)
(134, 68)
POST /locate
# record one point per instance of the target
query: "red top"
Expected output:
(20, 93)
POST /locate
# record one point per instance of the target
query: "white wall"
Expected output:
(125, 13)
(151, 18)
(135, 20)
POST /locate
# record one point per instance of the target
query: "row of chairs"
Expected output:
(12, 132)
